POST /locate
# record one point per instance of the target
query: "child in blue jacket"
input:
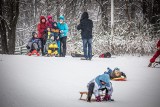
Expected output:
(100, 83)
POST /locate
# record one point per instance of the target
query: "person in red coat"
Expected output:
(50, 21)
(152, 60)
(41, 31)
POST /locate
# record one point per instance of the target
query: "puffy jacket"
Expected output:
(97, 84)
(85, 26)
(41, 27)
(34, 40)
(62, 27)
(49, 23)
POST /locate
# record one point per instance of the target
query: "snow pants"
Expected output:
(155, 56)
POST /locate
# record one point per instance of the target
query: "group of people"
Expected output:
(51, 37)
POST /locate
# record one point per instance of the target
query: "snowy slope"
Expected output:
(55, 82)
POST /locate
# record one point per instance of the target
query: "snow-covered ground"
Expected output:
(55, 82)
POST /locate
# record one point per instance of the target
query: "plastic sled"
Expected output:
(119, 79)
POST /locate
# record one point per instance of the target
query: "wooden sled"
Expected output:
(86, 93)
(119, 79)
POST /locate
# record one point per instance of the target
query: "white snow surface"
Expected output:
(30, 81)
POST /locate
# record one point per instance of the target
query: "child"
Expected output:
(34, 44)
(48, 39)
(56, 33)
(152, 60)
(51, 45)
(115, 73)
(100, 83)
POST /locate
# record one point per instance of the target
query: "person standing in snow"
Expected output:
(86, 26)
(100, 83)
(63, 27)
(41, 31)
(49, 21)
(152, 60)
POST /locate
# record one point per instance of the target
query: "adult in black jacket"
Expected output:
(86, 26)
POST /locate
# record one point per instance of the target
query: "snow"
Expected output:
(55, 82)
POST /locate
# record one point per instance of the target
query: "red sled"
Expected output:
(34, 52)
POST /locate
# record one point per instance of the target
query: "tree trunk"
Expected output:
(8, 24)
(3, 30)
(103, 5)
(14, 13)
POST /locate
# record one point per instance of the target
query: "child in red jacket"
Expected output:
(152, 60)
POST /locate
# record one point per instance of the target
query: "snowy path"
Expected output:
(56, 82)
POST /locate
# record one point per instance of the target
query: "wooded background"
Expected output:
(136, 23)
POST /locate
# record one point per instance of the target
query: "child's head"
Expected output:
(34, 34)
(55, 24)
(117, 72)
(48, 29)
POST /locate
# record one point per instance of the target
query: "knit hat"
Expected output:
(61, 17)
(33, 33)
(49, 17)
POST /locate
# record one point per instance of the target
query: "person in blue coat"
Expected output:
(63, 27)
(100, 83)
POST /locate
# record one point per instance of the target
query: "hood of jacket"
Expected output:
(42, 17)
(84, 16)
(104, 77)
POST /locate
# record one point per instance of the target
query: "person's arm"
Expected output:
(39, 29)
(65, 28)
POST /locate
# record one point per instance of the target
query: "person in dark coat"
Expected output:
(86, 26)
(34, 43)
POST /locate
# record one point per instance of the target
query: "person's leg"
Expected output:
(90, 49)
(58, 43)
(85, 48)
(64, 46)
(152, 60)
(35, 46)
(90, 91)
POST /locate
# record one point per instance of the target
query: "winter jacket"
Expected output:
(62, 27)
(34, 40)
(41, 27)
(97, 84)
(112, 75)
(55, 31)
(158, 44)
(85, 26)
(49, 24)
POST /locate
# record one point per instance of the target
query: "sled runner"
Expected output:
(156, 63)
(92, 100)
(119, 79)
(34, 52)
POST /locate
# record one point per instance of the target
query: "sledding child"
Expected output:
(152, 60)
(34, 44)
(56, 33)
(51, 45)
(100, 83)
(115, 74)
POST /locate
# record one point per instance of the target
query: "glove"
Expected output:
(27, 47)
(106, 97)
(61, 31)
(98, 99)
